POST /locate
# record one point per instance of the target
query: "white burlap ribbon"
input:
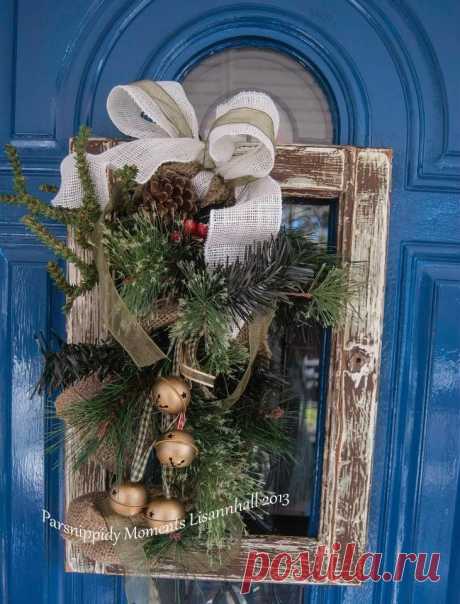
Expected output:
(163, 122)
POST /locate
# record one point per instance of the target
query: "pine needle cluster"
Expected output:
(221, 475)
(204, 318)
(111, 418)
(138, 256)
(72, 362)
(145, 258)
(287, 269)
(82, 220)
(289, 274)
(124, 191)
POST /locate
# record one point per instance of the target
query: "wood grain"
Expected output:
(305, 171)
(360, 180)
(355, 356)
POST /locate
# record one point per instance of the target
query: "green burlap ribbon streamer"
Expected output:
(258, 332)
(118, 319)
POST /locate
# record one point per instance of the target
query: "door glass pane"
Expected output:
(305, 116)
(224, 592)
(297, 354)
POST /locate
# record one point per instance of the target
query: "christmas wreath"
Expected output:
(193, 272)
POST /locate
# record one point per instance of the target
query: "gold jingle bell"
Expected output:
(128, 498)
(176, 449)
(171, 395)
(165, 515)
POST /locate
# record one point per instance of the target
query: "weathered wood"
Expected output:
(234, 567)
(310, 171)
(360, 180)
(355, 355)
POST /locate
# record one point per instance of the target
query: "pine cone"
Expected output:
(170, 195)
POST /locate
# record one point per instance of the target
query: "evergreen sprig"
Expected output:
(90, 210)
(22, 197)
(287, 268)
(111, 417)
(82, 220)
(123, 193)
(329, 297)
(146, 260)
(56, 273)
(72, 362)
(138, 255)
(48, 188)
(221, 475)
(177, 547)
(205, 319)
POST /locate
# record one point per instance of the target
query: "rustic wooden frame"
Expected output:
(360, 180)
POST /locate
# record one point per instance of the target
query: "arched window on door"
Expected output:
(305, 115)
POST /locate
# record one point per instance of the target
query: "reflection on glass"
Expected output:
(296, 353)
(305, 116)
(223, 592)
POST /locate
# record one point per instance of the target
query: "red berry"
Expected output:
(190, 226)
(175, 236)
(202, 230)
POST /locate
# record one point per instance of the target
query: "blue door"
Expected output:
(389, 71)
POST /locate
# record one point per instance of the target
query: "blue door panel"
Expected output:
(425, 473)
(32, 557)
(388, 70)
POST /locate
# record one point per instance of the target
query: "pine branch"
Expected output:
(282, 270)
(75, 361)
(82, 219)
(71, 291)
(206, 320)
(59, 247)
(126, 179)
(123, 188)
(48, 188)
(90, 211)
(59, 278)
(221, 474)
(138, 255)
(36, 207)
(22, 197)
(112, 416)
(19, 181)
(9, 198)
(329, 298)
(89, 275)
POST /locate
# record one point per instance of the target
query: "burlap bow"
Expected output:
(163, 122)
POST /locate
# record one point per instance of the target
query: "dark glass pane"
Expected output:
(297, 353)
(223, 592)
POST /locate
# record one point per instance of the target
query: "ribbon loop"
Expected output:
(243, 118)
(164, 104)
